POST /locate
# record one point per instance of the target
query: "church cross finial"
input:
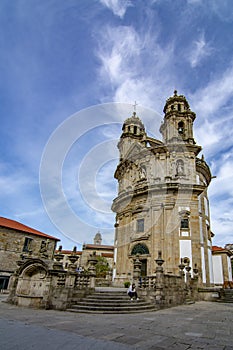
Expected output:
(135, 107)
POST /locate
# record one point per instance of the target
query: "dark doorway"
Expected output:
(143, 267)
(4, 280)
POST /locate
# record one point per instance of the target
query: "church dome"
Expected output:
(176, 103)
(133, 125)
(133, 120)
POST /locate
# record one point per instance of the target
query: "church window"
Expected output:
(135, 130)
(27, 244)
(180, 127)
(140, 225)
(139, 249)
(179, 107)
(184, 223)
(128, 128)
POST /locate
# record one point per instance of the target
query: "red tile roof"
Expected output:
(216, 249)
(15, 225)
(98, 247)
(107, 255)
(70, 252)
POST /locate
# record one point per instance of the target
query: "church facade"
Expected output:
(162, 202)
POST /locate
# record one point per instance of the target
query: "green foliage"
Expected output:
(102, 267)
(127, 284)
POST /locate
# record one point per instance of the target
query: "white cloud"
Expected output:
(118, 7)
(222, 9)
(135, 65)
(200, 50)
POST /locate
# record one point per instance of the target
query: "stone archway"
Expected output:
(32, 284)
(141, 250)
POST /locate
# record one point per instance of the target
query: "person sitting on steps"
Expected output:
(132, 293)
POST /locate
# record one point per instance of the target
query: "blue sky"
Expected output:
(64, 63)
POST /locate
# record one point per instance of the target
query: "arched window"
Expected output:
(181, 128)
(140, 249)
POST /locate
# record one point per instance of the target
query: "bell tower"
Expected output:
(133, 131)
(178, 121)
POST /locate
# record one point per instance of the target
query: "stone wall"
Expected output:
(45, 284)
(12, 247)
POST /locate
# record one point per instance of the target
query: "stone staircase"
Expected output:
(226, 296)
(111, 302)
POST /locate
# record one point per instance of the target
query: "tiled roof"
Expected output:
(69, 252)
(15, 225)
(216, 249)
(107, 255)
(98, 247)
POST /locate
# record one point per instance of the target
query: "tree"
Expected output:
(102, 267)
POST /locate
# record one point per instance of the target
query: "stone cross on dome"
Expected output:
(135, 107)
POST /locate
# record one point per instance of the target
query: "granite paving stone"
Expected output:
(203, 325)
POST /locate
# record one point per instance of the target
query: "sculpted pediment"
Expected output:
(134, 150)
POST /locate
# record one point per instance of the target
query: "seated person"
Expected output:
(132, 293)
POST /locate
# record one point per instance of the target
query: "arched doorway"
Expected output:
(141, 250)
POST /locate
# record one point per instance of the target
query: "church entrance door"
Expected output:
(144, 268)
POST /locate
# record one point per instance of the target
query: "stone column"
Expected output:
(159, 279)
(188, 280)
(92, 269)
(136, 270)
(181, 267)
(73, 258)
(195, 282)
(58, 260)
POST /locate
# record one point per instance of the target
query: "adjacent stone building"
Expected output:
(105, 251)
(162, 203)
(19, 241)
(222, 266)
(97, 248)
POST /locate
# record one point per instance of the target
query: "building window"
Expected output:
(180, 127)
(27, 245)
(140, 249)
(135, 130)
(184, 223)
(140, 225)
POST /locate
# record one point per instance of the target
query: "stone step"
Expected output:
(226, 296)
(111, 310)
(111, 302)
(108, 296)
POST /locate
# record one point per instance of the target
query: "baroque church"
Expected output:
(162, 203)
